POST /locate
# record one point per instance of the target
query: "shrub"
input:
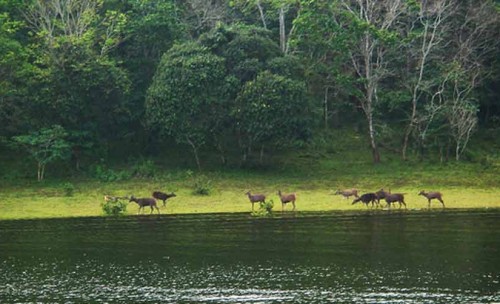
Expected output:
(265, 209)
(114, 207)
(102, 173)
(143, 168)
(68, 189)
(202, 185)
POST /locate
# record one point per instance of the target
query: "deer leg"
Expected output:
(429, 203)
(442, 202)
(293, 205)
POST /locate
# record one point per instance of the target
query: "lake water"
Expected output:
(366, 257)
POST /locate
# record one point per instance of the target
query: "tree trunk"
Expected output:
(282, 29)
(373, 143)
(325, 103)
(39, 172)
(195, 152)
(261, 154)
(262, 16)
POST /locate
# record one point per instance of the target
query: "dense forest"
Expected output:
(244, 79)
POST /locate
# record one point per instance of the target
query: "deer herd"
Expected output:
(372, 198)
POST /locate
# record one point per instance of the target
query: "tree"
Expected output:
(45, 146)
(272, 111)
(82, 85)
(322, 45)
(17, 73)
(375, 24)
(470, 31)
(184, 93)
(426, 37)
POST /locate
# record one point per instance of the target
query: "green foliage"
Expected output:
(265, 209)
(105, 174)
(200, 184)
(68, 188)
(144, 168)
(183, 101)
(274, 110)
(114, 207)
(45, 146)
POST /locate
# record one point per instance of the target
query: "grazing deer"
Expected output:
(347, 193)
(256, 198)
(432, 195)
(366, 199)
(381, 194)
(151, 202)
(287, 198)
(163, 196)
(395, 197)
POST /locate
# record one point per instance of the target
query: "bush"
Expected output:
(68, 189)
(265, 209)
(143, 168)
(114, 207)
(102, 173)
(202, 185)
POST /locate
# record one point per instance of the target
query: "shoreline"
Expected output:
(276, 215)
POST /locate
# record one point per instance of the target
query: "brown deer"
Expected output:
(256, 198)
(151, 202)
(366, 199)
(347, 193)
(381, 194)
(432, 195)
(395, 197)
(163, 196)
(287, 198)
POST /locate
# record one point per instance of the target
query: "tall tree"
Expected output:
(17, 73)
(83, 86)
(272, 111)
(184, 92)
(376, 24)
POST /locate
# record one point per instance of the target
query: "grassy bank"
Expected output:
(314, 174)
(467, 187)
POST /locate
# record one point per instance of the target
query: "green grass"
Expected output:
(314, 174)
(462, 188)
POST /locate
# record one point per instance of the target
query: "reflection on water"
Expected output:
(372, 257)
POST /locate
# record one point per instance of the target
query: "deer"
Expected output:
(285, 199)
(151, 202)
(432, 195)
(395, 197)
(163, 196)
(347, 193)
(381, 194)
(256, 198)
(366, 199)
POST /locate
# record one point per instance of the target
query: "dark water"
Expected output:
(368, 257)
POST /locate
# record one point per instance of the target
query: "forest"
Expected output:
(82, 81)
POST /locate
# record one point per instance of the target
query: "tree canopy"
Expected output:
(240, 78)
